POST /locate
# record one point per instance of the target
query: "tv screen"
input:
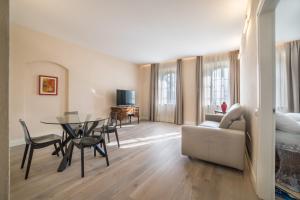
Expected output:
(125, 97)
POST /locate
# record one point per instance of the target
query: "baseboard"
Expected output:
(13, 143)
(251, 171)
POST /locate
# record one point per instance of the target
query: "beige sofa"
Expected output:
(224, 146)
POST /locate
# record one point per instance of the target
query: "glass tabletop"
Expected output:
(72, 119)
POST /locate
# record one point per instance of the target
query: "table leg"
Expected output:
(64, 162)
(64, 144)
(70, 135)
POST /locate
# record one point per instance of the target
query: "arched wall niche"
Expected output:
(38, 107)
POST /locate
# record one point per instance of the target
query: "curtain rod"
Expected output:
(192, 57)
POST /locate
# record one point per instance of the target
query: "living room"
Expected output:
(143, 100)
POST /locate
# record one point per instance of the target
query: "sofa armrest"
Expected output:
(213, 117)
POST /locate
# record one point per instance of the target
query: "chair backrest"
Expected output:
(89, 127)
(103, 122)
(26, 132)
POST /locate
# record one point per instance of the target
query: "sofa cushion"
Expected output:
(238, 124)
(287, 124)
(210, 124)
(234, 113)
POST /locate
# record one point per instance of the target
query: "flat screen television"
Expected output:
(125, 97)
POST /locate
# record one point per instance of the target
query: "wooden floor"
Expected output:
(149, 165)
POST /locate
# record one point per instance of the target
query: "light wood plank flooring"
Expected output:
(149, 165)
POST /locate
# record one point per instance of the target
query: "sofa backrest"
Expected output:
(239, 124)
(233, 114)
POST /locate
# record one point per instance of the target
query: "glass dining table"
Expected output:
(73, 127)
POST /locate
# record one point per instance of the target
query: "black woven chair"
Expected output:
(38, 143)
(89, 140)
(100, 130)
(112, 127)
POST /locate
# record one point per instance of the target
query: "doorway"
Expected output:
(287, 140)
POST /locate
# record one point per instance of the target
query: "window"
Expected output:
(281, 80)
(168, 88)
(166, 92)
(216, 84)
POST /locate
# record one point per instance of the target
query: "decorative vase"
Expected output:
(224, 107)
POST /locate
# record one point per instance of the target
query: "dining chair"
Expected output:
(112, 127)
(89, 140)
(101, 130)
(39, 142)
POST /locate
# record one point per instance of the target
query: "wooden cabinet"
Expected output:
(126, 112)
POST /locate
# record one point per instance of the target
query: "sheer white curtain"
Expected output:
(216, 83)
(166, 101)
(281, 79)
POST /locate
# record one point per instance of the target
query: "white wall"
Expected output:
(36, 107)
(249, 85)
(92, 79)
(257, 85)
(287, 23)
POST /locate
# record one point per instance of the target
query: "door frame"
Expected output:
(265, 184)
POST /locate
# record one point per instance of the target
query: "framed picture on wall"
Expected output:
(48, 85)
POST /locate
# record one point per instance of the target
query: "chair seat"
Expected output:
(46, 138)
(87, 141)
(111, 128)
(107, 128)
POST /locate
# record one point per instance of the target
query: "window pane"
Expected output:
(167, 88)
(216, 84)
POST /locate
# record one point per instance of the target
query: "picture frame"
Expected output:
(48, 85)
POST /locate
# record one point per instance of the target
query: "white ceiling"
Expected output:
(288, 20)
(140, 31)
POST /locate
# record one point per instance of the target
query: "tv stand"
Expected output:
(125, 112)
